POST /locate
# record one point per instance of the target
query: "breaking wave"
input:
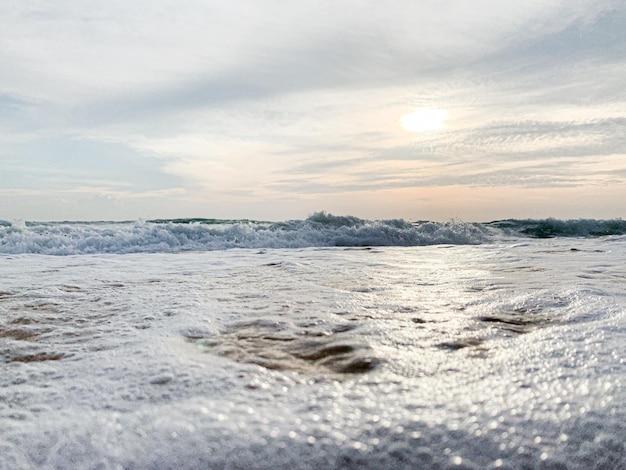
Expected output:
(319, 230)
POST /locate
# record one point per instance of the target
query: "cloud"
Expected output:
(63, 164)
(522, 153)
(271, 100)
(520, 140)
(183, 54)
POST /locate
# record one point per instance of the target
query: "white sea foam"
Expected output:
(501, 355)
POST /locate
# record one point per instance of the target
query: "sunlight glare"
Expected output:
(424, 119)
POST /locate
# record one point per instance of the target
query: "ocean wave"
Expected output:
(319, 230)
(550, 228)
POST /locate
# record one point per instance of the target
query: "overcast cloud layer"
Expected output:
(272, 110)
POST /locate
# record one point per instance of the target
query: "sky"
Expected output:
(275, 109)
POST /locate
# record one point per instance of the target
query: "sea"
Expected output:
(331, 342)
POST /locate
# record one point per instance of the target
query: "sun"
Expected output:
(424, 120)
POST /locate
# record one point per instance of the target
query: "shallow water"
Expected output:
(499, 355)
